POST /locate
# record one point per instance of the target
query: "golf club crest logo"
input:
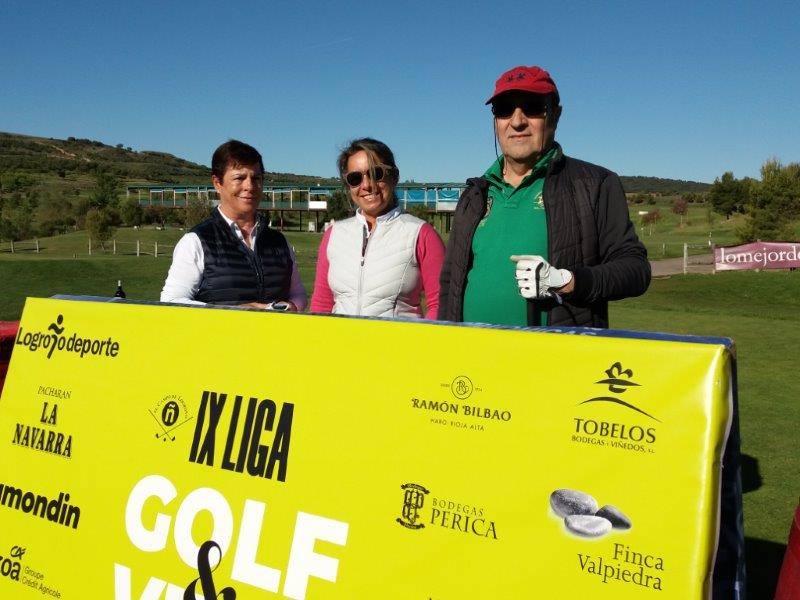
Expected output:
(169, 413)
(618, 381)
(413, 501)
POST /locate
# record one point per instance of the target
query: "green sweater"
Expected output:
(515, 223)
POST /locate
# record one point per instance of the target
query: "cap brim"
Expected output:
(543, 93)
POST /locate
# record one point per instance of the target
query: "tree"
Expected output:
(728, 194)
(709, 215)
(680, 207)
(80, 206)
(130, 212)
(197, 210)
(5, 226)
(17, 216)
(761, 225)
(779, 190)
(98, 226)
(54, 214)
(774, 202)
(650, 219)
(105, 192)
(155, 214)
(339, 206)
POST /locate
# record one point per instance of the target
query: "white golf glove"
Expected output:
(537, 278)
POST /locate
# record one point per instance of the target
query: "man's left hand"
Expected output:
(538, 279)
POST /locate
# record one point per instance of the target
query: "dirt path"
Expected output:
(674, 266)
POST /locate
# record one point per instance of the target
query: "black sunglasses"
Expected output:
(503, 108)
(355, 178)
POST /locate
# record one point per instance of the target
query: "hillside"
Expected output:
(38, 159)
(638, 184)
(68, 163)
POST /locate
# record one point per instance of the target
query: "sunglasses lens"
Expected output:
(531, 107)
(503, 109)
(354, 178)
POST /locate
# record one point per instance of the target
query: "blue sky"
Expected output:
(684, 89)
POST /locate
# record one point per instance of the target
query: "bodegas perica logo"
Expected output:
(631, 433)
(57, 339)
(413, 501)
(419, 510)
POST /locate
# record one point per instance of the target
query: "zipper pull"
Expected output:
(364, 238)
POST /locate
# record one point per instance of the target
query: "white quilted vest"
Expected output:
(380, 284)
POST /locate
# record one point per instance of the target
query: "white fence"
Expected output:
(114, 247)
(135, 248)
(20, 247)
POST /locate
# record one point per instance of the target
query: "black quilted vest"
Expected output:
(234, 274)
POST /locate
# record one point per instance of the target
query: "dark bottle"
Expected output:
(120, 293)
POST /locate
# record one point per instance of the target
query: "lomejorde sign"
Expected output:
(758, 255)
(166, 452)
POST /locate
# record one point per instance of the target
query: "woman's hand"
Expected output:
(278, 305)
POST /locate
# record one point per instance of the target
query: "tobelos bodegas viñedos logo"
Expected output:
(57, 339)
(618, 380)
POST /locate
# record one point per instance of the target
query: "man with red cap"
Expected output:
(541, 238)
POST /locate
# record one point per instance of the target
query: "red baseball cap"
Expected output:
(525, 79)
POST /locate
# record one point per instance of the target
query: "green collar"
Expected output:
(494, 174)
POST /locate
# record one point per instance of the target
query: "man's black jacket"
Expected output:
(588, 232)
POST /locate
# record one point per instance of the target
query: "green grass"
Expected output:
(759, 311)
(64, 267)
(665, 239)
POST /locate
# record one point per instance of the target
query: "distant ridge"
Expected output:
(639, 184)
(76, 158)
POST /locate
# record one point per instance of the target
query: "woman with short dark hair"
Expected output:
(379, 262)
(234, 257)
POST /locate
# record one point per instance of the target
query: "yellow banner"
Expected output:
(160, 452)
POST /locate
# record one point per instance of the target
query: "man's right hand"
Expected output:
(538, 279)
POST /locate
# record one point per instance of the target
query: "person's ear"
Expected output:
(556, 116)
